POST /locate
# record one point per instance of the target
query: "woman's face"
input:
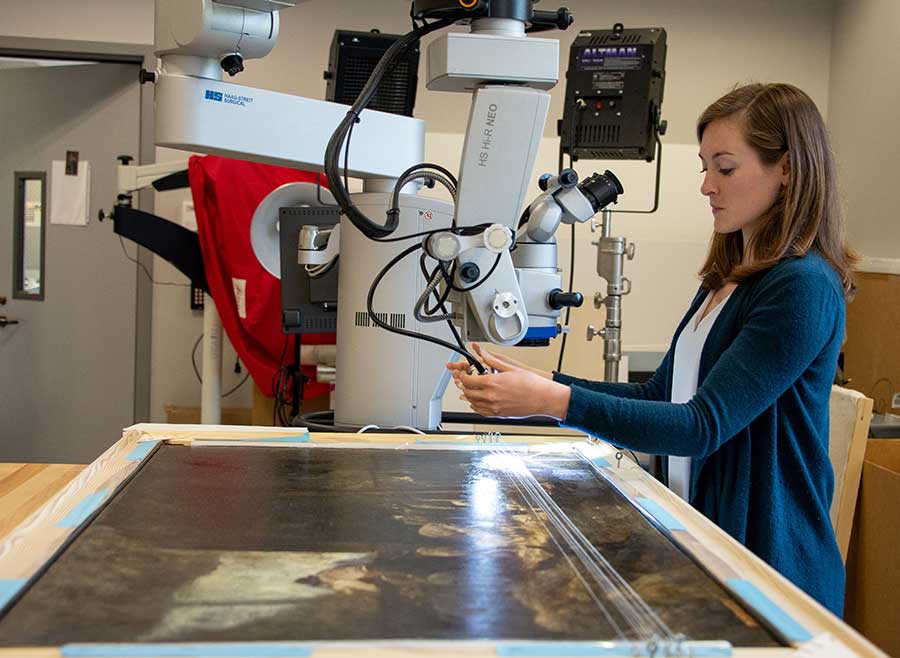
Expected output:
(741, 188)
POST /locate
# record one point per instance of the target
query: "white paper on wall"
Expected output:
(70, 196)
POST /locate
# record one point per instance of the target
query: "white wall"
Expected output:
(713, 44)
(114, 21)
(863, 100)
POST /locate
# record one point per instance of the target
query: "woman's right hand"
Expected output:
(489, 359)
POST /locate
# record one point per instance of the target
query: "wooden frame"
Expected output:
(25, 551)
(846, 482)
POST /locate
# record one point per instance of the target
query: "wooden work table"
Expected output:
(25, 487)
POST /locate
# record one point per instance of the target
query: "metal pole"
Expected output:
(611, 254)
(211, 388)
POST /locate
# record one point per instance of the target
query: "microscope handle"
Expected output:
(558, 299)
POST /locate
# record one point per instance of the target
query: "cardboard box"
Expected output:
(262, 413)
(872, 603)
(191, 415)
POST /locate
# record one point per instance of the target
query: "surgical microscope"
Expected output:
(419, 276)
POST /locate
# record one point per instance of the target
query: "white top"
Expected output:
(685, 372)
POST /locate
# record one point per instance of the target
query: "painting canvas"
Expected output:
(209, 544)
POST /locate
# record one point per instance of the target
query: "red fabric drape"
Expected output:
(226, 193)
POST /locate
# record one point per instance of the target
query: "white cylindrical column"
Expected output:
(211, 389)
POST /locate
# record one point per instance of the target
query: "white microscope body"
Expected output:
(385, 378)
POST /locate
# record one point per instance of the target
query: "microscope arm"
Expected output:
(504, 132)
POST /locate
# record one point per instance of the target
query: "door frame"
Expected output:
(120, 53)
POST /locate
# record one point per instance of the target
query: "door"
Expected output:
(67, 364)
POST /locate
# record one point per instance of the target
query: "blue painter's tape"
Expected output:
(294, 438)
(141, 451)
(600, 462)
(656, 510)
(83, 510)
(9, 588)
(211, 650)
(783, 622)
(297, 438)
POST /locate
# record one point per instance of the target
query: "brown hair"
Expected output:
(778, 119)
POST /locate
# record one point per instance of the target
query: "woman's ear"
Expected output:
(785, 164)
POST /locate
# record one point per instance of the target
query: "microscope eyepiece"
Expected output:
(602, 190)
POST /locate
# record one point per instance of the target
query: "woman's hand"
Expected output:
(512, 391)
(485, 356)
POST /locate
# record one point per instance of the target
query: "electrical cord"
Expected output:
(276, 385)
(200, 379)
(147, 272)
(347, 152)
(342, 196)
(562, 347)
(321, 270)
(441, 300)
(311, 418)
(409, 429)
(443, 296)
(432, 282)
(479, 282)
(407, 175)
(475, 363)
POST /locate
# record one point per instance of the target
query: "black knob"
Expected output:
(558, 299)
(232, 64)
(564, 18)
(147, 76)
(5, 321)
(469, 272)
(124, 159)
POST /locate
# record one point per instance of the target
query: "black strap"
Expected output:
(172, 242)
(177, 181)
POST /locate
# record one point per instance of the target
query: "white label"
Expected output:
(240, 296)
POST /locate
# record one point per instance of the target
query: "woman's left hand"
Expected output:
(512, 392)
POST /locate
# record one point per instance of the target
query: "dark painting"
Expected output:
(314, 544)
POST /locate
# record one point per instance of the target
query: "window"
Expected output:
(29, 224)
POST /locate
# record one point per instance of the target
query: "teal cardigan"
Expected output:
(757, 428)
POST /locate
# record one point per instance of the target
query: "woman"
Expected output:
(742, 394)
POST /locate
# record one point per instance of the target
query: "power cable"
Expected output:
(475, 363)
(200, 379)
(359, 219)
(562, 347)
(147, 272)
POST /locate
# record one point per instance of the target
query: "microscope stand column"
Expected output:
(611, 254)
